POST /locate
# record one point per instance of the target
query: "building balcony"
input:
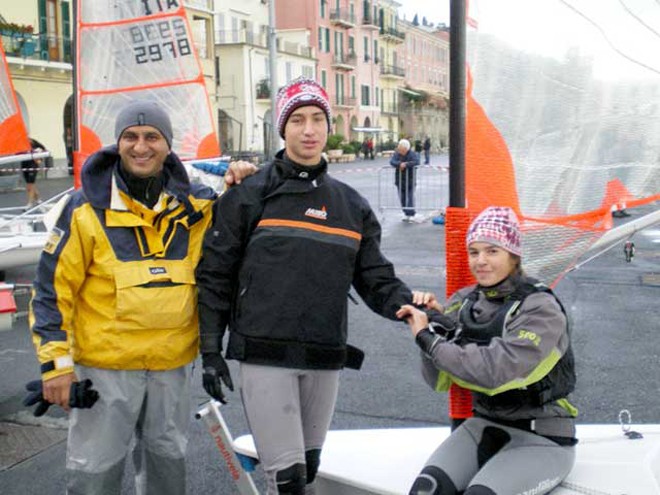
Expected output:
(36, 47)
(240, 36)
(263, 90)
(369, 22)
(344, 61)
(392, 72)
(342, 18)
(392, 34)
(389, 108)
(345, 102)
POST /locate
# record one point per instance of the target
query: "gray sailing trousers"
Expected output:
(288, 412)
(525, 463)
(150, 408)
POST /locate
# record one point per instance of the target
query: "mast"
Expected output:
(75, 138)
(272, 53)
(457, 217)
(457, 103)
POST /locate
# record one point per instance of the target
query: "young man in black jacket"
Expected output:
(277, 267)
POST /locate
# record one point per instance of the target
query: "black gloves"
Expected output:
(35, 396)
(82, 396)
(215, 373)
(441, 329)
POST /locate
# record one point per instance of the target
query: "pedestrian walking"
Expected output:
(427, 150)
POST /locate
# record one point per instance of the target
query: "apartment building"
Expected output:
(392, 70)
(345, 38)
(424, 101)
(243, 72)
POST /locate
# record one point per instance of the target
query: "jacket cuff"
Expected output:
(427, 340)
(59, 366)
(210, 343)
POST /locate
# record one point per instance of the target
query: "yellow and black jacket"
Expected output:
(115, 285)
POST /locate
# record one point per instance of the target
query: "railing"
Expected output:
(368, 20)
(425, 190)
(346, 101)
(339, 16)
(392, 32)
(232, 36)
(349, 58)
(37, 46)
(389, 108)
(392, 70)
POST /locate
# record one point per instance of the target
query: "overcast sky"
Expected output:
(434, 10)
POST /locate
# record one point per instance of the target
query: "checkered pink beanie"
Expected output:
(299, 93)
(497, 225)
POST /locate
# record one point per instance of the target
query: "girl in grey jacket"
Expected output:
(505, 339)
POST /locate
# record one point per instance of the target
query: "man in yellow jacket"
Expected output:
(115, 302)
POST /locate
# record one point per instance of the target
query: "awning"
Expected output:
(411, 93)
(372, 130)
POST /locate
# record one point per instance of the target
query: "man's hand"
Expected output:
(81, 395)
(215, 373)
(238, 171)
(402, 165)
(58, 390)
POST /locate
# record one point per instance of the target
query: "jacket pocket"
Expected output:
(154, 296)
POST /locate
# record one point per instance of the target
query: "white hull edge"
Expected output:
(21, 249)
(387, 461)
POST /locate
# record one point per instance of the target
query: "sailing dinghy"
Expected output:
(21, 241)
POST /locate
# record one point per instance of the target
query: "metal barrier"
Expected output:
(429, 188)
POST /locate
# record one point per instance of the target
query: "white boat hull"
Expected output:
(21, 249)
(387, 461)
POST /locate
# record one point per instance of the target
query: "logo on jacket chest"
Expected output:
(321, 214)
(157, 270)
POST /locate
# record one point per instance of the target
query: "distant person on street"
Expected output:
(427, 150)
(506, 339)
(405, 162)
(277, 267)
(30, 169)
(114, 307)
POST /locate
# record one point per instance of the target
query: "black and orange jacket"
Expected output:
(278, 264)
(115, 286)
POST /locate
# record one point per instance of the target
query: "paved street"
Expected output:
(613, 307)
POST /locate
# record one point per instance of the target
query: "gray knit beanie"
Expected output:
(144, 112)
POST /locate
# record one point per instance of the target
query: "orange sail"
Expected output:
(13, 134)
(562, 120)
(129, 50)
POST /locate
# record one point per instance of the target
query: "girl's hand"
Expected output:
(416, 318)
(426, 300)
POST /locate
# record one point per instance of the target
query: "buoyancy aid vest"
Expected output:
(555, 385)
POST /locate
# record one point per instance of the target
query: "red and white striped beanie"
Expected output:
(497, 225)
(301, 92)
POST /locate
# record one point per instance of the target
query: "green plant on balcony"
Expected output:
(263, 89)
(11, 28)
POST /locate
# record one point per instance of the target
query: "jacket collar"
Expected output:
(288, 169)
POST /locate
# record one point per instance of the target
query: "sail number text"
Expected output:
(156, 41)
